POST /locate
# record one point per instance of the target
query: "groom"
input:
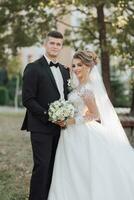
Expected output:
(44, 81)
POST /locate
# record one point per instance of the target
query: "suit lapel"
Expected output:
(64, 81)
(49, 72)
(62, 73)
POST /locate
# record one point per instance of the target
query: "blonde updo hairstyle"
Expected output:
(86, 57)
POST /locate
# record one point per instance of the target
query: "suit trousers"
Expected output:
(44, 149)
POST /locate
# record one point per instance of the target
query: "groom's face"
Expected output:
(53, 46)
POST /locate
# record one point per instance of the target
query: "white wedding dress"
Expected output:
(88, 165)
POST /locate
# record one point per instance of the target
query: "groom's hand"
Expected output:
(62, 124)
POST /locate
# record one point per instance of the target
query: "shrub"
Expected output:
(3, 95)
(120, 93)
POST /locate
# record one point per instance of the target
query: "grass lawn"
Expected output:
(15, 158)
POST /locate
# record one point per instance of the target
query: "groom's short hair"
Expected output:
(55, 34)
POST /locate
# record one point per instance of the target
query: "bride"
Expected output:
(94, 160)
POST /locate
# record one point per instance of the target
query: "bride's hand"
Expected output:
(87, 115)
(70, 121)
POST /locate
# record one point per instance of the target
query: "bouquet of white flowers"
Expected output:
(60, 110)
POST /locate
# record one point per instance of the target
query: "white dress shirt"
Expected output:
(58, 78)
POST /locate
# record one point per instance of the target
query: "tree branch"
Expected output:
(77, 27)
(66, 11)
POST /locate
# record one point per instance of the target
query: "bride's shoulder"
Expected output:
(87, 91)
(82, 90)
(87, 88)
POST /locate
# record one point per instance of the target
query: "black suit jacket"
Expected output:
(38, 91)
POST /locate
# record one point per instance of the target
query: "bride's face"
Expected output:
(79, 68)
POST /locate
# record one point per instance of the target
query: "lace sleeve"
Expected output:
(92, 111)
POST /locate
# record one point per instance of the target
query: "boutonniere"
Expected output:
(70, 85)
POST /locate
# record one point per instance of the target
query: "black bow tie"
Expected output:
(53, 64)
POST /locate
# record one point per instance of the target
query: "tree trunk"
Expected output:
(16, 92)
(104, 48)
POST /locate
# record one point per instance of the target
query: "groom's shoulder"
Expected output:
(33, 65)
(38, 61)
(65, 71)
(64, 67)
